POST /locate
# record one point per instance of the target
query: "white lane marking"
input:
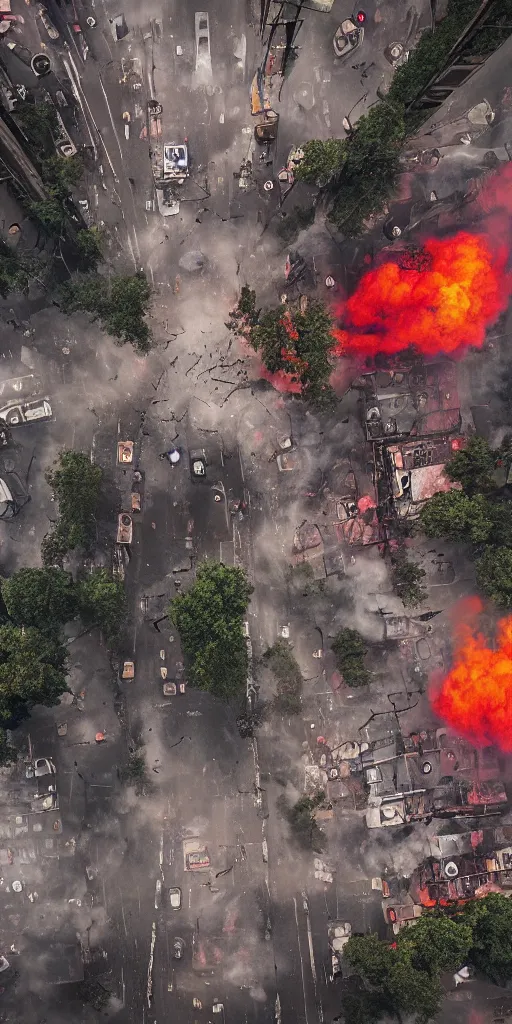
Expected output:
(149, 990)
(111, 118)
(132, 254)
(122, 912)
(76, 94)
(103, 143)
(301, 962)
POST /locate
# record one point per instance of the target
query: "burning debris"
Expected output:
(443, 306)
(475, 697)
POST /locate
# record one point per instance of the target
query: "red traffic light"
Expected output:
(361, 17)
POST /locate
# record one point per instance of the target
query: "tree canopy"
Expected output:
(44, 598)
(322, 160)
(358, 174)
(349, 650)
(209, 619)
(39, 123)
(494, 574)
(102, 602)
(32, 670)
(298, 342)
(473, 466)
(14, 271)
(407, 580)
(119, 302)
(76, 483)
(287, 676)
(436, 943)
(491, 922)
(455, 515)
(89, 242)
(407, 976)
(63, 171)
(370, 168)
(303, 823)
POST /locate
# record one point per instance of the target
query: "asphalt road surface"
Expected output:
(254, 919)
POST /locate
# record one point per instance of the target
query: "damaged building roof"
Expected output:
(448, 779)
(462, 876)
(413, 471)
(419, 400)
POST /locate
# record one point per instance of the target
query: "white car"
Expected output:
(40, 766)
(29, 412)
(175, 897)
(338, 933)
(202, 31)
(43, 766)
(158, 893)
(48, 24)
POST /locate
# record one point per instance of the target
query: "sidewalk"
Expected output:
(319, 91)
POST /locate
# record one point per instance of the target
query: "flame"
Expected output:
(449, 304)
(281, 380)
(475, 698)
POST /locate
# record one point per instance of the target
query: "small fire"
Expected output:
(442, 307)
(475, 698)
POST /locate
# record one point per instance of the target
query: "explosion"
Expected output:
(475, 698)
(443, 306)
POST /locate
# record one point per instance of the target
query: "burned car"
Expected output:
(26, 412)
(347, 38)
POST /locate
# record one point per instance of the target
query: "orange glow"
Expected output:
(443, 308)
(475, 698)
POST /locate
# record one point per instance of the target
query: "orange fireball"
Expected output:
(475, 698)
(444, 307)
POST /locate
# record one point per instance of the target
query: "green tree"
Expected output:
(370, 169)
(270, 337)
(494, 575)
(349, 651)
(50, 212)
(287, 675)
(299, 343)
(135, 771)
(370, 957)
(102, 602)
(403, 987)
(491, 922)
(90, 248)
(454, 515)
(39, 123)
(473, 467)
(245, 315)
(303, 823)
(8, 754)
(406, 577)
(44, 598)
(63, 171)
(76, 483)
(315, 326)
(436, 943)
(322, 160)
(430, 54)
(120, 303)
(294, 221)
(364, 1007)
(209, 620)
(14, 274)
(413, 992)
(32, 670)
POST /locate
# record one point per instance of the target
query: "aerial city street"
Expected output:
(256, 512)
